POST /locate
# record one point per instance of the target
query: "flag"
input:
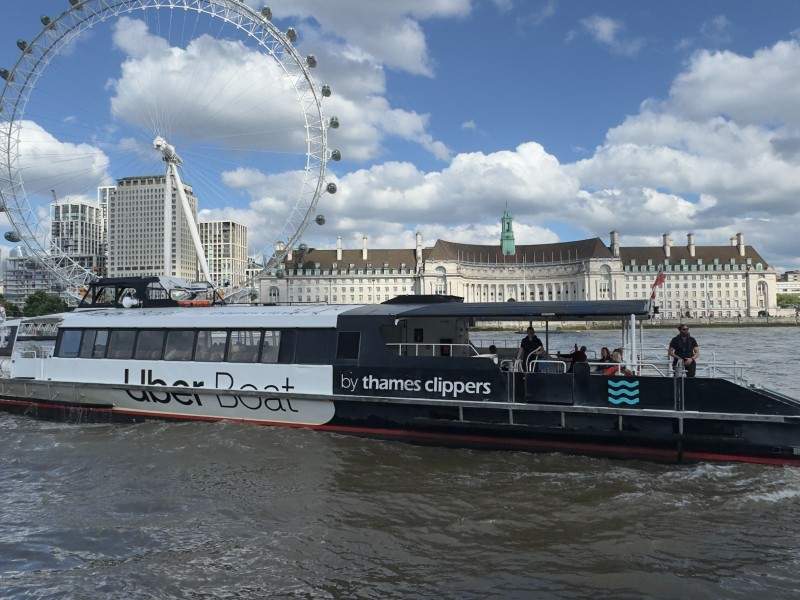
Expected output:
(659, 282)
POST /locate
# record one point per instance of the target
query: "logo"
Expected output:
(623, 391)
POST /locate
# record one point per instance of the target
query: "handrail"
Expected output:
(416, 345)
(532, 364)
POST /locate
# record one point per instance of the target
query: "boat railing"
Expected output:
(431, 349)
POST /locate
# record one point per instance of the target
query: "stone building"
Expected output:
(225, 247)
(136, 230)
(723, 281)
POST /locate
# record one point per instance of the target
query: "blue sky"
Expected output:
(581, 116)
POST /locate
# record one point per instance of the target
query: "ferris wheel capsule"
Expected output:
(266, 12)
(334, 123)
(331, 188)
(12, 236)
(311, 61)
(23, 45)
(6, 74)
(336, 155)
(46, 21)
(76, 3)
(326, 90)
(291, 34)
(320, 220)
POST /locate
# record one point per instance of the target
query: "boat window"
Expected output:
(288, 339)
(347, 345)
(244, 346)
(314, 346)
(87, 344)
(149, 344)
(70, 343)
(120, 343)
(270, 347)
(180, 343)
(100, 344)
(210, 346)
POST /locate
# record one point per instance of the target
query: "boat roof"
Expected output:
(244, 316)
(578, 310)
(327, 315)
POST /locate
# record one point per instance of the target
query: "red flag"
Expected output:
(659, 282)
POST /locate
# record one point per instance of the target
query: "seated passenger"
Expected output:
(605, 357)
(577, 355)
(616, 369)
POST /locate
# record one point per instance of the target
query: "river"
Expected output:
(201, 511)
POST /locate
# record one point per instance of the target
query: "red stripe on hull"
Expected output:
(453, 439)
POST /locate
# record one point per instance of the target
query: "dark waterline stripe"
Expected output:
(455, 438)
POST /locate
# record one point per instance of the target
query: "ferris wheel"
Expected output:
(219, 151)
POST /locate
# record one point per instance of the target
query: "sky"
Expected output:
(579, 116)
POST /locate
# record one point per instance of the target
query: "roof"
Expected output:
(223, 316)
(588, 310)
(641, 254)
(377, 258)
(530, 253)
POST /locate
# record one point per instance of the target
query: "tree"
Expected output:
(42, 303)
(788, 300)
(12, 310)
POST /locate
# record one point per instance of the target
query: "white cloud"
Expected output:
(47, 163)
(717, 30)
(539, 15)
(390, 32)
(469, 125)
(384, 200)
(762, 89)
(719, 155)
(215, 89)
(608, 32)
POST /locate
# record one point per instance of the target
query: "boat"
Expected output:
(406, 369)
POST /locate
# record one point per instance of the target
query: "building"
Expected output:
(77, 230)
(343, 276)
(701, 281)
(136, 230)
(225, 246)
(25, 275)
(789, 283)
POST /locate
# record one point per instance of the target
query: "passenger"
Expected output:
(616, 369)
(605, 357)
(685, 348)
(530, 346)
(492, 349)
(576, 356)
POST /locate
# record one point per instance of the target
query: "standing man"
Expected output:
(530, 345)
(684, 347)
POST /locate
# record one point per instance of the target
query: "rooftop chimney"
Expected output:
(733, 240)
(615, 243)
(289, 255)
(419, 251)
(339, 248)
(666, 243)
(364, 248)
(690, 243)
(740, 243)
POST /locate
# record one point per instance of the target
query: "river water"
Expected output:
(193, 510)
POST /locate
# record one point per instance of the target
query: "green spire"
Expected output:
(507, 235)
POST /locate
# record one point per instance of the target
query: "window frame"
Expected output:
(60, 341)
(163, 330)
(339, 335)
(193, 347)
(111, 332)
(259, 331)
(210, 329)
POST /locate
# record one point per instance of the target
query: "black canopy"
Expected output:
(586, 310)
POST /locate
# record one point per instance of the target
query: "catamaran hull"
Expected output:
(576, 430)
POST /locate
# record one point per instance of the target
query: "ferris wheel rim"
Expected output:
(16, 202)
